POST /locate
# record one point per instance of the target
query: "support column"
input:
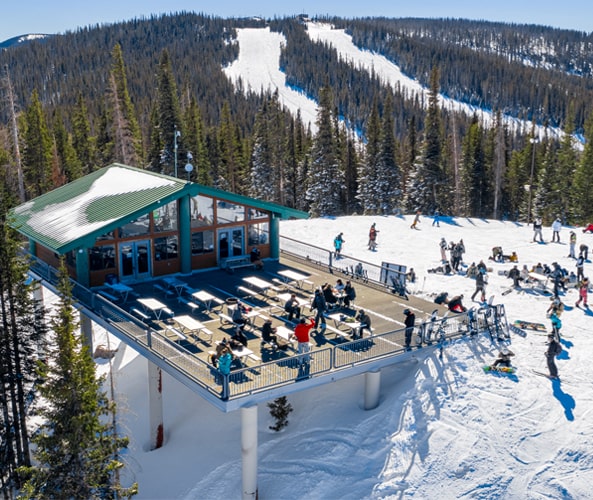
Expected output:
(185, 234)
(274, 236)
(86, 329)
(372, 386)
(155, 406)
(249, 451)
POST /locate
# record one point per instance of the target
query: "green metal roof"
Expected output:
(76, 214)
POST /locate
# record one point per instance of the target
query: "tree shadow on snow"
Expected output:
(566, 400)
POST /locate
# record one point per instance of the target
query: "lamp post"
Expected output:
(188, 166)
(533, 142)
(175, 136)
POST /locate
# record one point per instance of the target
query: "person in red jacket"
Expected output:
(301, 333)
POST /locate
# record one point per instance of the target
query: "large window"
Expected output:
(259, 234)
(202, 242)
(255, 214)
(166, 248)
(229, 212)
(202, 211)
(165, 217)
(102, 257)
(138, 227)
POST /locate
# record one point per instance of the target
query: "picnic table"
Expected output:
(175, 284)
(122, 290)
(190, 326)
(261, 285)
(154, 306)
(290, 276)
(283, 297)
(341, 320)
(207, 299)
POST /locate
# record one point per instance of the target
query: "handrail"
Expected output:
(254, 379)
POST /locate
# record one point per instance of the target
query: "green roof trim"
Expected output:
(74, 215)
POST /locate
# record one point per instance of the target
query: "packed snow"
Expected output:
(444, 429)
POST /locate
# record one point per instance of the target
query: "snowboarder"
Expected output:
(480, 286)
(443, 246)
(554, 349)
(338, 243)
(373, 237)
(409, 322)
(580, 267)
(588, 229)
(436, 219)
(556, 226)
(572, 244)
(584, 249)
(504, 358)
(416, 220)
(583, 289)
(537, 230)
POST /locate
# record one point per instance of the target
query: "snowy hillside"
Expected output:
(444, 429)
(258, 68)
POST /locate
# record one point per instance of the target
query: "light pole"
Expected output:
(188, 166)
(175, 136)
(533, 142)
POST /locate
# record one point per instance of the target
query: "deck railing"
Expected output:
(253, 379)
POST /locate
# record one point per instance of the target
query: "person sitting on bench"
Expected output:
(365, 324)
(255, 257)
(349, 294)
(292, 307)
(268, 333)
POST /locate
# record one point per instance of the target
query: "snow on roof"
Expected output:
(93, 202)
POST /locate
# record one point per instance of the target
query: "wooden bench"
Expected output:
(248, 291)
(108, 296)
(143, 316)
(232, 263)
(192, 305)
(163, 290)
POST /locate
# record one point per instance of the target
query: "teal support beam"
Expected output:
(32, 247)
(82, 267)
(185, 234)
(274, 236)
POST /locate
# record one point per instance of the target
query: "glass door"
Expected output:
(134, 260)
(231, 242)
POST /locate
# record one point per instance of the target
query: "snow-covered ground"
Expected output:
(258, 68)
(444, 428)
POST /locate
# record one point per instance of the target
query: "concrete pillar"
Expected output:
(155, 406)
(372, 386)
(185, 234)
(86, 330)
(249, 451)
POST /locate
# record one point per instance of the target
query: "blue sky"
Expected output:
(42, 16)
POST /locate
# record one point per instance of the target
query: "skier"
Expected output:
(556, 326)
(554, 349)
(409, 322)
(436, 218)
(583, 289)
(537, 230)
(416, 220)
(338, 242)
(373, 237)
(556, 226)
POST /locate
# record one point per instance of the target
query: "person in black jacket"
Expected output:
(554, 349)
(409, 322)
(349, 294)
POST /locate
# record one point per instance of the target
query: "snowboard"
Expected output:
(518, 331)
(539, 327)
(500, 369)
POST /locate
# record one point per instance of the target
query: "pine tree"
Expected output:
(77, 447)
(22, 339)
(388, 176)
(124, 125)
(69, 164)
(83, 143)
(325, 181)
(196, 143)
(367, 173)
(582, 188)
(37, 154)
(280, 408)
